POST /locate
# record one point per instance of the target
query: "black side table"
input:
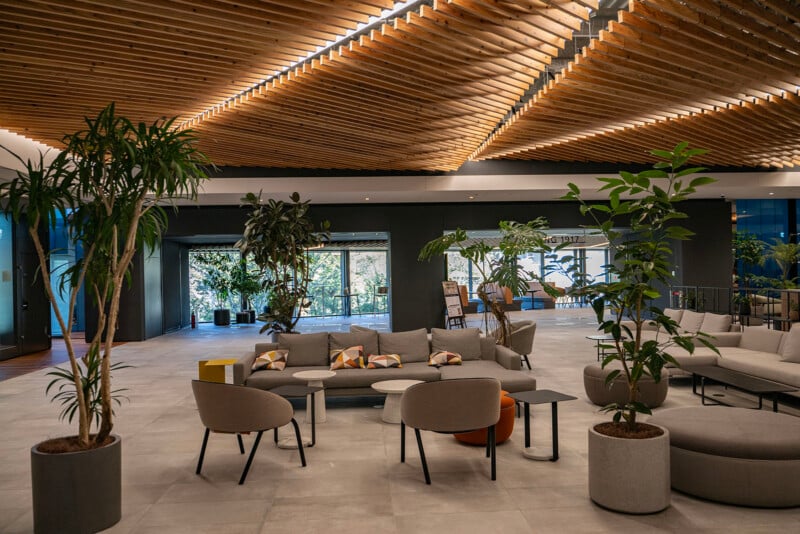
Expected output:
(292, 391)
(540, 396)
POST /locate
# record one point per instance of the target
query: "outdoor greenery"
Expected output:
(786, 256)
(108, 183)
(277, 237)
(497, 263)
(647, 203)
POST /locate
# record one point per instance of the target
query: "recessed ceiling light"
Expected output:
(471, 197)
(366, 198)
(771, 193)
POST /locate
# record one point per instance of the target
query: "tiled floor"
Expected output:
(354, 481)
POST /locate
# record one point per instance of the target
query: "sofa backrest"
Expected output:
(715, 322)
(367, 338)
(412, 346)
(464, 341)
(305, 349)
(761, 339)
(691, 321)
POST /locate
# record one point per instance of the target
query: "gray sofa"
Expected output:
(481, 358)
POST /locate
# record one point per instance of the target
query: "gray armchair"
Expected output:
(451, 407)
(522, 333)
(233, 409)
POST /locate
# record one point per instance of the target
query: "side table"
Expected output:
(394, 390)
(298, 391)
(540, 396)
(315, 379)
(213, 370)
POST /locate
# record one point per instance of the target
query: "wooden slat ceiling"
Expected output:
(424, 92)
(721, 74)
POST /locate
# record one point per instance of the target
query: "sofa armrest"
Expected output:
(508, 358)
(242, 367)
(723, 339)
(647, 325)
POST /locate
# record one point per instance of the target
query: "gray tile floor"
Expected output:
(354, 481)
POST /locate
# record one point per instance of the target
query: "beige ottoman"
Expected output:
(650, 393)
(734, 455)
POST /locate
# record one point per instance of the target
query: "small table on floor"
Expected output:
(298, 391)
(540, 396)
(602, 339)
(743, 382)
(213, 370)
(315, 379)
(394, 390)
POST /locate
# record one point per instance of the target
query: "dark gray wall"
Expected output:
(416, 299)
(175, 283)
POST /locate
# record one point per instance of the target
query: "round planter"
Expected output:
(222, 317)
(629, 475)
(77, 492)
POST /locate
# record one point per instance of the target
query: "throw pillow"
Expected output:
(691, 321)
(274, 360)
(444, 357)
(383, 361)
(791, 345)
(674, 313)
(463, 341)
(715, 322)
(349, 358)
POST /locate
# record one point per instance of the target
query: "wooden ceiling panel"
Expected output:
(419, 94)
(722, 74)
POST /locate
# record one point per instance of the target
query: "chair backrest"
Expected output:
(232, 408)
(522, 333)
(456, 405)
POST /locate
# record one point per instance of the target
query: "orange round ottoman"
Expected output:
(503, 430)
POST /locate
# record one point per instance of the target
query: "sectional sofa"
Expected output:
(753, 350)
(481, 357)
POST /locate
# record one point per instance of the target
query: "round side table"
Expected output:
(394, 390)
(315, 379)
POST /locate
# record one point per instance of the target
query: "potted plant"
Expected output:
(786, 256)
(277, 236)
(247, 283)
(742, 301)
(108, 183)
(498, 264)
(218, 277)
(629, 460)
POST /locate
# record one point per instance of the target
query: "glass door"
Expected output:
(7, 338)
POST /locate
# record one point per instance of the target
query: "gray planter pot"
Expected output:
(222, 317)
(629, 475)
(77, 492)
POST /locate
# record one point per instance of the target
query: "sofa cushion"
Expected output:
(305, 349)
(366, 338)
(790, 352)
(766, 365)
(364, 378)
(760, 339)
(512, 381)
(273, 360)
(349, 358)
(412, 346)
(715, 322)
(384, 361)
(674, 313)
(464, 341)
(444, 357)
(691, 321)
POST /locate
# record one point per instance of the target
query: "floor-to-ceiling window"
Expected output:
(63, 254)
(209, 270)
(7, 340)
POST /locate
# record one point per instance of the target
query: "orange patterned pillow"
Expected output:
(383, 361)
(444, 357)
(349, 358)
(274, 360)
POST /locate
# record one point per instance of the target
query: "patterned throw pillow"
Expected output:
(349, 358)
(383, 361)
(274, 360)
(444, 357)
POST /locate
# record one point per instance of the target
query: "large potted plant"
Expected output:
(628, 459)
(496, 262)
(277, 236)
(218, 270)
(108, 183)
(246, 282)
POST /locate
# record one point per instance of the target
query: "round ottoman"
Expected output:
(650, 393)
(503, 429)
(734, 455)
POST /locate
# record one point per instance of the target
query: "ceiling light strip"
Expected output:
(400, 9)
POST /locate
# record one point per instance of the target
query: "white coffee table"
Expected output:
(315, 379)
(394, 390)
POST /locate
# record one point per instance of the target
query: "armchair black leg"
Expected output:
(241, 443)
(402, 442)
(422, 457)
(493, 444)
(299, 442)
(275, 435)
(202, 451)
(250, 458)
(526, 361)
